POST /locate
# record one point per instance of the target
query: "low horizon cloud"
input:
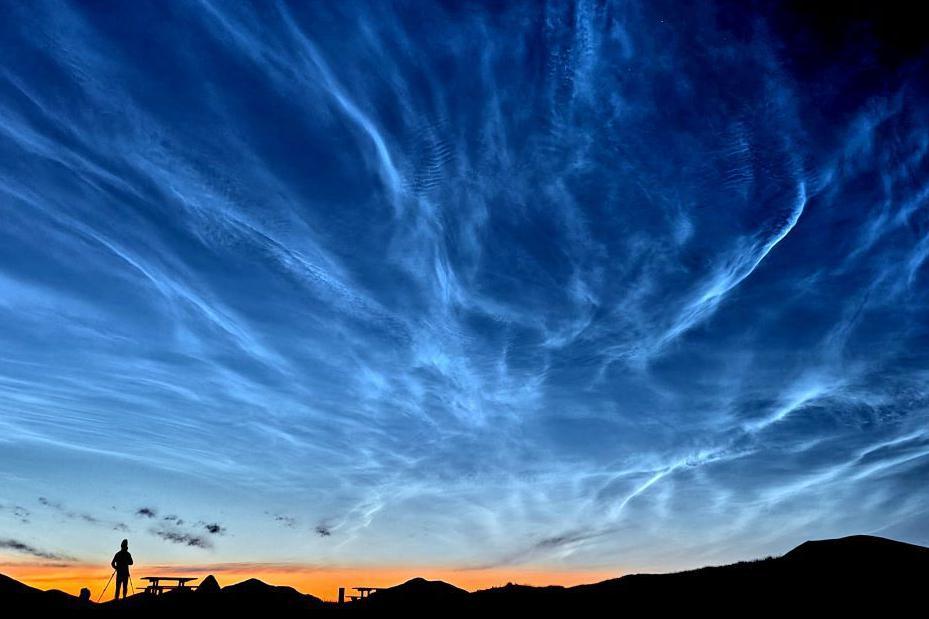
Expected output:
(24, 548)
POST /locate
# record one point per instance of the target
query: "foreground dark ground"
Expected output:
(854, 574)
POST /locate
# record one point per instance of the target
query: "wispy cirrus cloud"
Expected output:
(560, 282)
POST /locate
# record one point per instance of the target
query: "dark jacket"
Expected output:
(121, 562)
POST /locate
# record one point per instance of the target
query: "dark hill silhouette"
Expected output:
(282, 599)
(519, 596)
(209, 586)
(251, 597)
(853, 574)
(416, 594)
(15, 595)
(851, 551)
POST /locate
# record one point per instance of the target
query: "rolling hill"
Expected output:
(851, 574)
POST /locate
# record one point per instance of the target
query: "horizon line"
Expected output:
(320, 581)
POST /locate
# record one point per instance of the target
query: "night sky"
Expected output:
(570, 286)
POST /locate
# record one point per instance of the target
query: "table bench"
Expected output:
(156, 588)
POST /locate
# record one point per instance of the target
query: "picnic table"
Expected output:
(363, 592)
(156, 588)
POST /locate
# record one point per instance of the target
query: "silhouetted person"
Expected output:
(121, 562)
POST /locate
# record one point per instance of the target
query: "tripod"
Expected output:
(131, 587)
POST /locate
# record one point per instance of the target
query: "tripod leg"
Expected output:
(107, 585)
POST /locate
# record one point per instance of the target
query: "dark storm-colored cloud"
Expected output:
(183, 538)
(18, 512)
(213, 528)
(556, 282)
(179, 530)
(60, 509)
(284, 520)
(24, 548)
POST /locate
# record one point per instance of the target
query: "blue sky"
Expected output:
(580, 285)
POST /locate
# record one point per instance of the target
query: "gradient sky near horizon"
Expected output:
(567, 286)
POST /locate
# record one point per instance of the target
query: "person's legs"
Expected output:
(121, 580)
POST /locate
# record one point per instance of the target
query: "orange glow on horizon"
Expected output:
(323, 582)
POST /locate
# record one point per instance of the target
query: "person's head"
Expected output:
(125, 544)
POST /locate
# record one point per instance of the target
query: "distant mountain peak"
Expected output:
(209, 585)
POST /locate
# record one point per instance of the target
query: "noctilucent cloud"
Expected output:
(631, 285)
